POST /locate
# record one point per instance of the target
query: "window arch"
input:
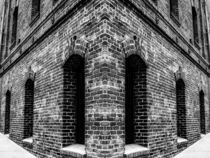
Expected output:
(202, 112)
(136, 101)
(74, 101)
(28, 109)
(181, 109)
(7, 112)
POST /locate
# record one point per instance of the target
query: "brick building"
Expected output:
(104, 78)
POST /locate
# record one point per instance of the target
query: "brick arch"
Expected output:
(180, 75)
(28, 109)
(140, 56)
(7, 112)
(136, 49)
(29, 75)
(72, 48)
(181, 108)
(74, 100)
(202, 112)
(136, 101)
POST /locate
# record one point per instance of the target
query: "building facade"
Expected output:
(104, 78)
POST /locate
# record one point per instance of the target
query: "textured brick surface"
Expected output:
(104, 34)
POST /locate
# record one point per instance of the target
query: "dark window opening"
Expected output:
(195, 25)
(136, 101)
(35, 9)
(155, 2)
(74, 101)
(7, 113)
(14, 26)
(207, 43)
(181, 109)
(174, 8)
(55, 1)
(28, 109)
(202, 112)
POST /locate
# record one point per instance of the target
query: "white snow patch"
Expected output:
(181, 140)
(75, 148)
(134, 148)
(28, 140)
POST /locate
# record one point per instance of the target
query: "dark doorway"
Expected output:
(202, 112)
(7, 113)
(74, 100)
(181, 109)
(136, 101)
(28, 109)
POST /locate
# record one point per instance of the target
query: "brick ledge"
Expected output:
(134, 150)
(7, 135)
(76, 150)
(181, 140)
(28, 140)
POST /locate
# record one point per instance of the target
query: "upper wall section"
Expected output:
(1, 18)
(155, 12)
(26, 25)
(183, 25)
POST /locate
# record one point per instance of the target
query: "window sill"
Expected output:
(181, 140)
(154, 2)
(203, 135)
(12, 45)
(76, 150)
(7, 135)
(135, 150)
(28, 140)
(55, 2)
(34, 19)
(197, 45)
(175, 19)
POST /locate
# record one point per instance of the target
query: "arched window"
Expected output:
(181, 109)
(195, 25)
(14, 26)
(7, 112)
(136, 101)
(28, 109)
(174, 8)
(74, 101)
(202, 112)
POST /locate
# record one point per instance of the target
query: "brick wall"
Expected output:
(105, 73)
(107, 32)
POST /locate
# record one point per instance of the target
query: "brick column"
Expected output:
(105, 98)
